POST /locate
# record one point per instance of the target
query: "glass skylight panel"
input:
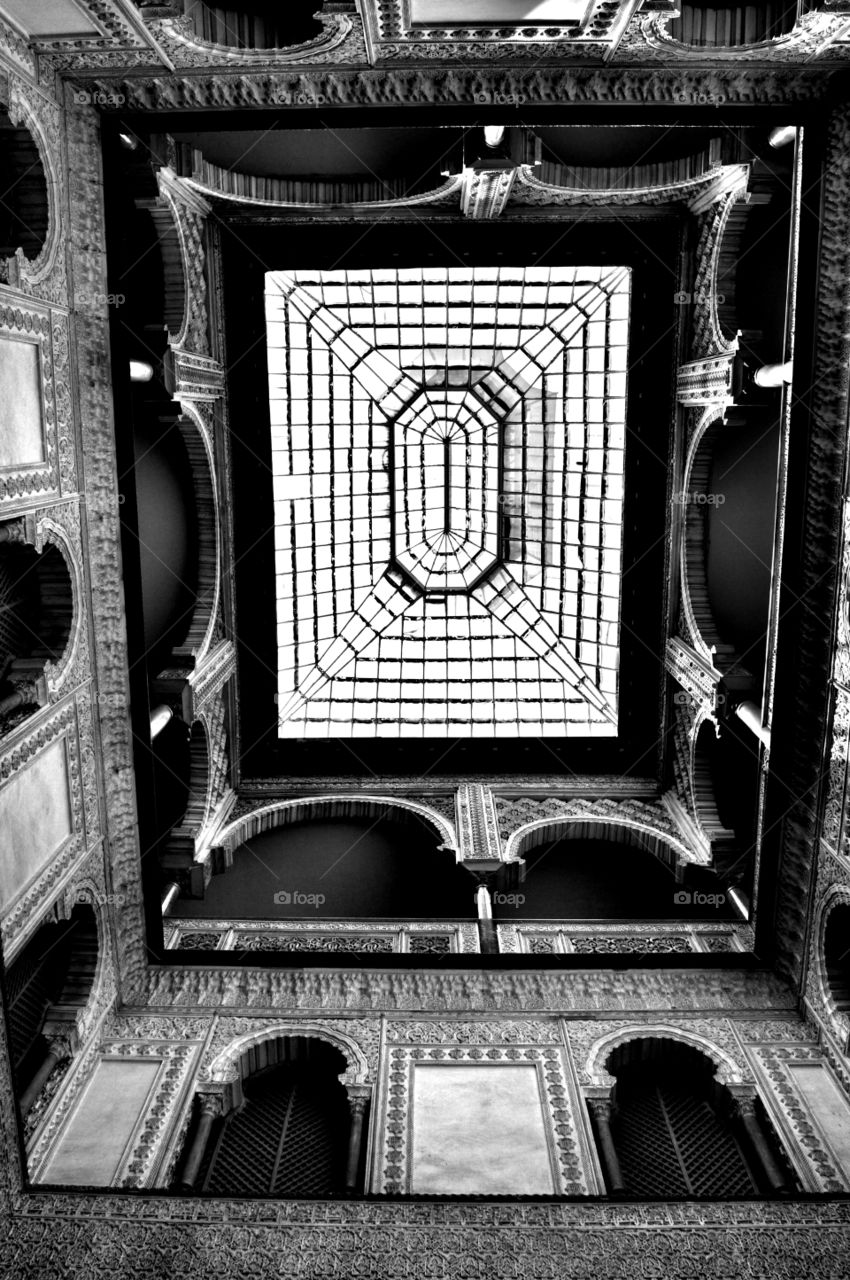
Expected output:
(447, 450)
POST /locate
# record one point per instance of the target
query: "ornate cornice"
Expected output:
(801, 722)
(460, 86)
(265, 992)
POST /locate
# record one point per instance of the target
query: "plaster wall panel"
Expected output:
(35, 819)
(828, 1106)
(48, 17)
(479, 1130)
(514, 11)
(21, 419)
(90, 1149)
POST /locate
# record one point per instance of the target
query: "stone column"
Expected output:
(57, 1049)
(358, 1101)
(783, 135)
(209, 1107)
(773, 375)
(13, 531)
(749, 713)
(601, 1109)
(26, 694)
(744, 1110)
(160, 717)
(486, 925)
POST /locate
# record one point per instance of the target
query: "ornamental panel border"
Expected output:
(21, 747)
(393, 1154)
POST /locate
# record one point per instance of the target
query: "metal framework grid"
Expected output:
(448, 453)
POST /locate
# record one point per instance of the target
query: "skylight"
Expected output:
(447, 451)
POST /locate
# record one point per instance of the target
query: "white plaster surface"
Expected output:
(828, 1106)
(21, 422)
(35, 819)
(462, 12)
(91, 1147)
(48, 17)
(479, 1129)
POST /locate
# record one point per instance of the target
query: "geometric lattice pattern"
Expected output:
(288, 1139)
(447, 451)
(671, 1143)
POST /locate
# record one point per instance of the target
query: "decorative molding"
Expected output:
(829, 894)
(249, 822)
(22, 914)
(813, 35)
(592, 1046)
(44, 277)
(31, 321)
(804, 725)
(622, 939)
(87, 261)
(218, 184)
(707, 338)
(418, 937)
(528, 189)
(189, 213)
(171, 988)
(509, 786)
(196, 377)
(707, 381)
(211, 675)
(454, 1032)
(814, 1161)
(223, 1067)
(341, 36)
(138, 1166)
(521, 819)
(477, 826)
(469, 85)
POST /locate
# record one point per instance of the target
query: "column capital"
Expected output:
(743, 1099)
(212, 1103)
(359, 1095)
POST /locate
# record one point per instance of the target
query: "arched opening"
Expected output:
(255, 24)
(167, 540)
(673, 1125)
(54, 973)
(836, 956)
(732, 763)
(739, 533)
(290, 1135)
(24, 206)
(36, 620)
(587, 871)
(199, 774)
(383, 865)
(724, 846)
(172, 774)
(729, 25)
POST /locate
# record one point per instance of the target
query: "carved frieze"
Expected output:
(87, 261)
(805, 725)
(170, 989)
(470, 85)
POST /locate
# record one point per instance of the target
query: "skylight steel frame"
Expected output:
(328, 304)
